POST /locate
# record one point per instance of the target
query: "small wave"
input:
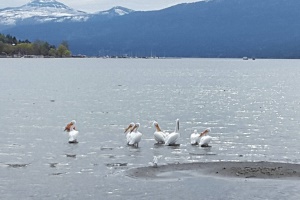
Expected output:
(116, 164)
(57, 174)
(203, 154)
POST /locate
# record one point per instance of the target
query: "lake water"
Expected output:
(252, 108)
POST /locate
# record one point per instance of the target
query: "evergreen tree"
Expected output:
(10, 45)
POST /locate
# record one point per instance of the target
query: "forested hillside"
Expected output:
(10, 46)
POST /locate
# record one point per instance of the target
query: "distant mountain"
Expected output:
(45, 11)
(39, 11)
(215, 28)
(108, 14)
(115, 11)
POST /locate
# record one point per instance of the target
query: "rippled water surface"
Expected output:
(252, 108)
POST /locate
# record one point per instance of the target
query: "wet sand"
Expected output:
(260, 170)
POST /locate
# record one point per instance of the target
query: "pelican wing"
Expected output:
(205, 140)
(73, 135)
(135, 138)
(194, 138)
(128, 137)
(171, 138)
(159, 136)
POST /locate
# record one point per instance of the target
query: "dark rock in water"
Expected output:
(57, 174)
(53, 165)
(106, 148)
(116, 164)
(71, 155)
(52, 100)
(17, 165)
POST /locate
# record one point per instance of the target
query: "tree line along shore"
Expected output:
(10, 46)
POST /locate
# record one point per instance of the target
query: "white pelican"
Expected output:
(195, 138)
(204, 138)
(172, 138)
(128, 132)
(135, 135)
(159, 135)
(73, 133)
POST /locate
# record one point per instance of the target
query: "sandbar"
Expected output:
(260, 170)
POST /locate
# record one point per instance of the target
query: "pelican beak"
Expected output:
(204, 133)
(178, 124)
(128, 128)
(133, 128)
(157, 127)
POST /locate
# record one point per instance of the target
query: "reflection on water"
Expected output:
(251, 107)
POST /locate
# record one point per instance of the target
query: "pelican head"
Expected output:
(129, 128)
(73, 122)
(136, 126)
(155, 124)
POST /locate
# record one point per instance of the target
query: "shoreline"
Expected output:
(258, 170)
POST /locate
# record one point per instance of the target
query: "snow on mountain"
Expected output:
(41, 11)
(116, 11)
(46, 4)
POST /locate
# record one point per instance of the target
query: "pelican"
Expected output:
(128, 131)
(159, 135)
(204, 138)
(135, 135)
(195, 138)
(73, 133)
(172, 138)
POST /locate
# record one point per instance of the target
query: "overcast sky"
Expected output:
(100, 5)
